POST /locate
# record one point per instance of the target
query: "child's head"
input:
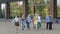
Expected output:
(17, 17)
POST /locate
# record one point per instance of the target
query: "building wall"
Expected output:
(7, 12)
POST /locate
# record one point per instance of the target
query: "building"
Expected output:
(52, 10)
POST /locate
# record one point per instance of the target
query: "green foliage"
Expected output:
(58, 11)
(40, 9)
(15, 9)
(19, 10)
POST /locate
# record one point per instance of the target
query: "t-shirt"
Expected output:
(48, 19)
(39, 18)
(16, 20)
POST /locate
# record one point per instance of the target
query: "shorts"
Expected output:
(16, 23)
(39, 24)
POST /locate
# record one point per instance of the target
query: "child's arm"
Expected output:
(13, 20)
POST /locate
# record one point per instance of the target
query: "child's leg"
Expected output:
(34, 26)
(28, 26)
(22, 26)
(39, 24)
(16, 29)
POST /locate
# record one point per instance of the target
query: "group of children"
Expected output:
(37, 20)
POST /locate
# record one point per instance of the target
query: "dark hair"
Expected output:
(17, 16)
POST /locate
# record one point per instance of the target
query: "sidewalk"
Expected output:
(9, 28)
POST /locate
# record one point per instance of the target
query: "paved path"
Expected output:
(9, 28)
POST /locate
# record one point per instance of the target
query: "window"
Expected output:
(15, 8)
(58, 8)
(3, 7)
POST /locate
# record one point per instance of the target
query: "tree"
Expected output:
(37, 8)
(15, 9)
(58, 11)
(41, 7)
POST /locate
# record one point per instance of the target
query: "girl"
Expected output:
(39, 22)
(16, 21)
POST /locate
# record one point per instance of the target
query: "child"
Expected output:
(35, 19)
(23, 22)
(28, 21)
(16, 21)
(39, 22)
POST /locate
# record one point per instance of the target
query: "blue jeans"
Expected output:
(28, 25)
(23, 24)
